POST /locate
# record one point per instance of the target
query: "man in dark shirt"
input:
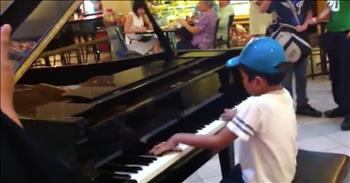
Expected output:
(285, 15)
(22, 160)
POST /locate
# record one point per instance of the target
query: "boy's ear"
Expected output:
(259, 81)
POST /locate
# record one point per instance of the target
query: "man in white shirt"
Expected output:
(258, 22)
(265, 122)
(226, 10)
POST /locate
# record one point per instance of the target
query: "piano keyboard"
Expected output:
(151, 166)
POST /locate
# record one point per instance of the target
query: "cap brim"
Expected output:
(233, 62)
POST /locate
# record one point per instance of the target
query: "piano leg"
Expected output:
(227, 159)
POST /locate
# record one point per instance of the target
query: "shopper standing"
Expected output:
(226, 10)
(258, 22)
(285, 10)
(337, 45)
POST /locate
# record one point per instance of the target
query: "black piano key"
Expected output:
(133, 160)
(114, 178)
(151, 157)
(110, 167)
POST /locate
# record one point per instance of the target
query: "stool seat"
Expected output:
(320, 167)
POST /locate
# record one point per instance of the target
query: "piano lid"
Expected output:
(34, 25)
(5, 5)
(61, 49)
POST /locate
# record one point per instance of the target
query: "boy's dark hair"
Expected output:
(271, 79)
(138, 4)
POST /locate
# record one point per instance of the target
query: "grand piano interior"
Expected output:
(101, 115)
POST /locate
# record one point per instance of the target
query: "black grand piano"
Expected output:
(103, 119)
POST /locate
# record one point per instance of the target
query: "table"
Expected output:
(169, 33)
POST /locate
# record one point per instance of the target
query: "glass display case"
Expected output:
(167, 11)
(241, 8)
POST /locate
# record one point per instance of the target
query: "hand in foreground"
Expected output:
(348, 35)
(164, 147)
(7, 76)
(6, 67)
(228, 114)
(301, 28)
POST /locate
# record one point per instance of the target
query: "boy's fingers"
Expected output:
(156, 149)
(176, 149)
(161, 149)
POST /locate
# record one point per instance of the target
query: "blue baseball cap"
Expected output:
(262, 54)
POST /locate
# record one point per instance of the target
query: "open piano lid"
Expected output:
(43, 23)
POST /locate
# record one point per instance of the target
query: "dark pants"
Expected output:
(337, 47)
(235, 176)
(185, 45)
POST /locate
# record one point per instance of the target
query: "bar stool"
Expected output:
(321, 167)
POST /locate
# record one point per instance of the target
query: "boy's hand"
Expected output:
(164, 147)
(348, 35)
(228, 115)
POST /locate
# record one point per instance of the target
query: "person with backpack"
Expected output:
(293, 16)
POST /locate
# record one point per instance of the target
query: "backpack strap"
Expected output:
(294, 11)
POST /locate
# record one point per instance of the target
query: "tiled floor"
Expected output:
(317, 134)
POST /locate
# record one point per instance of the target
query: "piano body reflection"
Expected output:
(104, 121)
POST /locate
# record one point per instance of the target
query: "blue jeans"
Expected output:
(299, 70)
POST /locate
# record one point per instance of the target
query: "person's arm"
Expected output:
(322, 16)
(192, 29)
(7, 77)
(128, 26)
(148, 23)
(213, 142)
(264, 5)
(304, 26)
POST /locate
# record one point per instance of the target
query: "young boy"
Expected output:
(265, 122)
